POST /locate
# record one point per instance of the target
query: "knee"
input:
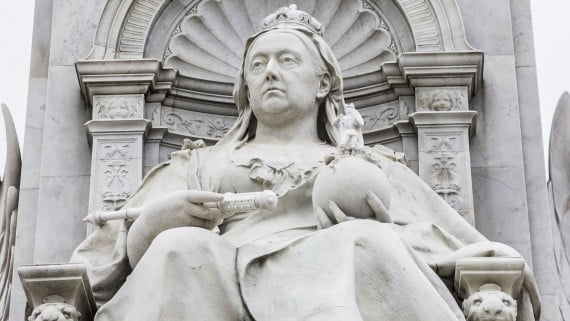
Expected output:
(184, 239)
(370, 232)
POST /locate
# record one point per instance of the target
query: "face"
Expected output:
(282, 79)
(441, 101)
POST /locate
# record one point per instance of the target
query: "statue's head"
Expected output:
(288, 71)
(490, 303)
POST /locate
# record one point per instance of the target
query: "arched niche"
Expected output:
(385, 47)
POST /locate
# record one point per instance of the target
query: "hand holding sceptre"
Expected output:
(232, 203)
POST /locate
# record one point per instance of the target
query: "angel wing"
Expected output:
(9, 186)
(559, 190)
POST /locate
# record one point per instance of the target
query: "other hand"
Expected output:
(338, 216)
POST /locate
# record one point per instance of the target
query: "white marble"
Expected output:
(508, 194)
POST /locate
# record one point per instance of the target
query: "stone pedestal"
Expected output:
(58, 289)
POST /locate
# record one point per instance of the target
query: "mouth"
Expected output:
(270, 89)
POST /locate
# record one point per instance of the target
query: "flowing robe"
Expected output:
(276, 265)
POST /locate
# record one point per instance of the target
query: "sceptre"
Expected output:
(232, 203)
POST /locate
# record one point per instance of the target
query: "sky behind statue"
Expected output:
(550, 24)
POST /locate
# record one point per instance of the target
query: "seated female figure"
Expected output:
(289, 263)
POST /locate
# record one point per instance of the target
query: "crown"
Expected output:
(292, 16)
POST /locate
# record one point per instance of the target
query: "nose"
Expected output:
(272, 71)
(493, 306)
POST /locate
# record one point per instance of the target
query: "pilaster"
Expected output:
(443, 84)
(118, 93)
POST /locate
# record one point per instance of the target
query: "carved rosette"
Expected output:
(209, 41)
(382, 116)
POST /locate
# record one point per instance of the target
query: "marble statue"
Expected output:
(184, 260)
(559, 190)
(9, 190)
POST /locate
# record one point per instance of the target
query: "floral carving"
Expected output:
(217, 128)
(445, 178)
(116, 183)
(113, 151)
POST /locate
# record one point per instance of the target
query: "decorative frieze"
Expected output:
(196, 124)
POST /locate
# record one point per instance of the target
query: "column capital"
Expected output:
(443, 69)
(124, 77)
(429, 119)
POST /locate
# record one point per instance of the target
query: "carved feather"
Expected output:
(9, 186)
(559, 190)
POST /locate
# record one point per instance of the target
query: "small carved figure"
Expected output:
(350, 129)
(440, 101)
(490, 304)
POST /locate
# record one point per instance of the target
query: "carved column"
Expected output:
(443, 145)
(443, 83)
(118, 92)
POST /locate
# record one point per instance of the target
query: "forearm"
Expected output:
(140, 236)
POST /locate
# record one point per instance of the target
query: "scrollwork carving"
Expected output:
(177, 122)
(380, 117)
(197, 124)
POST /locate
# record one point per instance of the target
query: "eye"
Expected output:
(477, 302)
(257, 65)
(507, 303)
(288, 59)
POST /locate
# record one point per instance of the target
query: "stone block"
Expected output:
(500, 205)
(73, 30)
(62, 202)
(488, 25)
(37, 90)
(498, 119)
(65, 146)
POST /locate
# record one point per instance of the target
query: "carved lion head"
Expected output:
(55, 312)
(490, 304)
